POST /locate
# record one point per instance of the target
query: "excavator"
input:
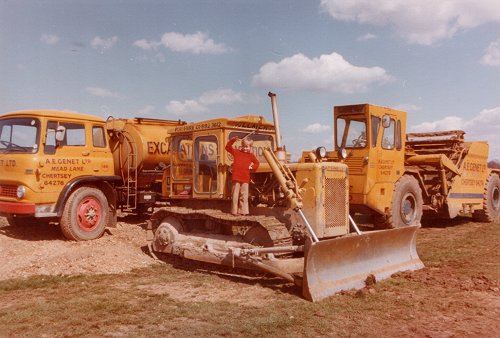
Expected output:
(299, 227)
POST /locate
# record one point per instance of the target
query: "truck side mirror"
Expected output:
(60, 133)
(386, 121)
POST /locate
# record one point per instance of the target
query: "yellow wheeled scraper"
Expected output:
(299, 227)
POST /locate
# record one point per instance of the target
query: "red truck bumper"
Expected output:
(17, 208)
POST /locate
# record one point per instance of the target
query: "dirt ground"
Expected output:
(29, 250)
(42, 250)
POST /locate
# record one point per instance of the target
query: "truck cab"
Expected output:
(370, 140)
(45, 157)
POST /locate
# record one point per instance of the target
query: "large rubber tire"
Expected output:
(491, 201)
(85, 214)
(407, 204)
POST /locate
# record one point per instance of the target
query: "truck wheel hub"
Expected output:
(496, 198)
(408, 208)
(89, 213)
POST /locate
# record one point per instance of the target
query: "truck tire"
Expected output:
(491, 201)
(85, 214)
(406, 206)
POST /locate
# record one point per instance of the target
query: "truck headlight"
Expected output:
(321, 152)
(343, 153)
(21, 190)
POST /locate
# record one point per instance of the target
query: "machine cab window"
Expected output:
(182, 157)
(206, 152)
(63, 134)
(260, 142)
(19, 135)
(388, 135)
(98, 137)
(351, 133)
(375, 127)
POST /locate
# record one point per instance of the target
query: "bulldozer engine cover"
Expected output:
(344, 263)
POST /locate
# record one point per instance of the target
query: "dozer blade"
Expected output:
(338, 264)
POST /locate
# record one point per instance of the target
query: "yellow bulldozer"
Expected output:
(299, 227)
(399, 177)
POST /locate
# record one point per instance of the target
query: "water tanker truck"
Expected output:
(78, 169)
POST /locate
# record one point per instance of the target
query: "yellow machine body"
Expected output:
(77, 169)
(31, 157)
(398, 176)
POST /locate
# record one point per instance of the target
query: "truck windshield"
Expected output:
(351, 133)
(19, 135)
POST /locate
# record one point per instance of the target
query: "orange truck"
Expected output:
(78, 169)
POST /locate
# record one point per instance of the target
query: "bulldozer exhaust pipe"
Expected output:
(280, 152)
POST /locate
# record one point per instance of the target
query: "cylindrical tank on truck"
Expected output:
(140, 148)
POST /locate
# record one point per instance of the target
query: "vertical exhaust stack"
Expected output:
(280, 151)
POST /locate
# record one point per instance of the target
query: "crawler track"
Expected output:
(258, 230)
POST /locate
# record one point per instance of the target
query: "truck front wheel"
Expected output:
(407, 204)
(85, 214)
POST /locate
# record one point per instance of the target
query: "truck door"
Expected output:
(389, 154)
(101, 157)
(181, 167)
(66, 155)
(206, 152)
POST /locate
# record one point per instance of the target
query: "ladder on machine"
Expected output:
(131, 182)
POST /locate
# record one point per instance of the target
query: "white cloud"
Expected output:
(101, 92)
(492, 55)
(103, 44)
(407, 107)
(484, 126)
(187, 107)
(202, 103)
(417, 21)
(367, 36)
(316, 128)
(330, 73)
(49, 39)
(146, 110)
(221, 96)
(197, 43)
(146, 45)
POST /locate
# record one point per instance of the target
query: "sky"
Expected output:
(197, 60)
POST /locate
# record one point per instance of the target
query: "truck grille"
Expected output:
(355, 164)
(335, 202)
(8, 190)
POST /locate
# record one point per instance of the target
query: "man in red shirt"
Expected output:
(243, 162)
